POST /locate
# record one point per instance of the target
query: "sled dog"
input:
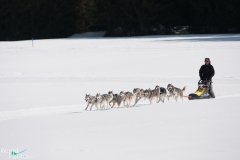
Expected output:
(162, 95)
(127, 97)
(116, 99)
(91, 100)
(109, 96)
(156, 94)
(101, 99)
(148, 93)
(175, 92)
(139, 93)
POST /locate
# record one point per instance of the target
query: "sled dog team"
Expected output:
(110, 99)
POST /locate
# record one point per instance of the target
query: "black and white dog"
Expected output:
(175, 92)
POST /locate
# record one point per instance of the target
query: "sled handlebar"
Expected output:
(204, 81)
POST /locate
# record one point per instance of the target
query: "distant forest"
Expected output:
(22, 19)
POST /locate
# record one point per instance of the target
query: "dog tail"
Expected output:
(184, 88)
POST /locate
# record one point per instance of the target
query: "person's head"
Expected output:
(207, 61)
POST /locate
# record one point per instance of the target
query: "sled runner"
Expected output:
(202, 91)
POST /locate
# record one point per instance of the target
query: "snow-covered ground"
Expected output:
(42, 91)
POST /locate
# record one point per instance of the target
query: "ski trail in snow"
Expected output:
(228, 96)
(44, 111)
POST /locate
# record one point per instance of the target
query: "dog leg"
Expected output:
(103, 107)
(91, 107)
(130, 100)
(159, 98)
(170, 95)
(113, 104)
(96, 105)
(176, 97)
(181, 95)
(119, 103)
(163, 98)
(110, 103)
(137, 100)
(107, 105)
(167, 97)
(87, 106)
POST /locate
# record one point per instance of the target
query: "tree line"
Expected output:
(22, 19)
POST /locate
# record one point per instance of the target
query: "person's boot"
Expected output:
(211, 93)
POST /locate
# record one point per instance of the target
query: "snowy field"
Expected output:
(42, 91)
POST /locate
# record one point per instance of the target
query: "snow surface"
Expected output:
(42, 92)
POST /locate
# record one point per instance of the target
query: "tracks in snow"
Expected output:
(44, 111)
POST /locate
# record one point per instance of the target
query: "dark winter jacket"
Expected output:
(206, 72)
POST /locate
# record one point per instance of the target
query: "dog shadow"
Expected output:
(74, 112)
(139, 105)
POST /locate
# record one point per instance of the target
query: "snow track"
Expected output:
(46, 111)
(32, 112)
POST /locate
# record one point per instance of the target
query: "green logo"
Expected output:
(13, 153)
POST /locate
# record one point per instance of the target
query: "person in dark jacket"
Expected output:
(206, 73)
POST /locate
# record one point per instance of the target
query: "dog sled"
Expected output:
(202, 91)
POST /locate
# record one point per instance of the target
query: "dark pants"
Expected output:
(211, 93)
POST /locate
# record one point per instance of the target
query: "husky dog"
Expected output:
(127, 97)
(109, 96)
(175, 92)
(156, 93)
(149, 94)
(101, 99)
(116, 99)
(91, 100)
(162, 95)
(139, 93)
